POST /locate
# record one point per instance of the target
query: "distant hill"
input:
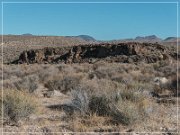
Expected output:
(27, 34)
(171, 39)
(151, 38)
(148, 39)
(84, 37)
(87, 38)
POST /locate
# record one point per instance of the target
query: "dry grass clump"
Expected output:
(137, 86)
(129, 113)
(129, 95)
(80, 100)
(47, 72)
(17, 105)
(127, 110)
(168, 70)
(123, 78)
(29, 83)
(92, 123)
(108, 71)
(9, 71)
(64, 83)
(100, 105)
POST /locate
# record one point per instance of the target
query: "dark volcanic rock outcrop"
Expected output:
(122, 52)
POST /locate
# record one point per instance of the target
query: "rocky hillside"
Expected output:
(123, 52)
(16, 44)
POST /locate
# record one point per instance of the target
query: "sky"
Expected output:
(101, 21)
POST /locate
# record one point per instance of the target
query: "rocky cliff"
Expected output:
(123, 52)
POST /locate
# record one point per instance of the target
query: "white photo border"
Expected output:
(2, 28)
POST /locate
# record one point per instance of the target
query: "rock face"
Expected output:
(122, 52)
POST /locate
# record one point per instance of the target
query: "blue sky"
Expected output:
(102, 21)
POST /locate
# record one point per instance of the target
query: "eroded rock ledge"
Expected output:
(122, 52)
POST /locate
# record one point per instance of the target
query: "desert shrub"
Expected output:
(124, 106)
(160, 65)
(173, 85)
(142, 77)
(55, 83)
(9, 83)
(84, 68)
(122, 78)
(126, 112)
(47, 73)
(128, 95)
(99, 86)
(122, 111)
(80, 100)
(147, 68)
(99, 105)
(17, 105)
(65, 84)
(139, 86)
(91, 123)
(133, 92)
(29, 83)
(100, 74)
(9, 71)
(167, 70)
(66, 69)
(156, 66)
(109, 70)
(129, 106)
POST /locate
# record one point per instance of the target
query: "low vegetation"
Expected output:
(17, 105)
(100, 97)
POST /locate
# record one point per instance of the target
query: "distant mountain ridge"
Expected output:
(171, 39)
(27, 34)
(82, 37)
(90, 39)
(85, 38)
(151, 38)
